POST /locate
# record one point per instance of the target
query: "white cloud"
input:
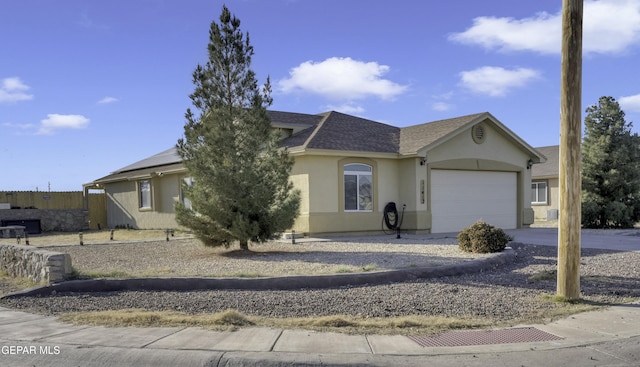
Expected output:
(539, 33)
(609, 26)
(441, 106)
(55, 122)
(107, 100)
(496, 81)
(630, 103)
(17, 126)
(14, 90)
(342, 78)
(348, 108)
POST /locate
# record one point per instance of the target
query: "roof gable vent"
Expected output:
(479, 133)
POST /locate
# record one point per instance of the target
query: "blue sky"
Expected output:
(87, 87)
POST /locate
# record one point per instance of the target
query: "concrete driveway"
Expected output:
(620, 240)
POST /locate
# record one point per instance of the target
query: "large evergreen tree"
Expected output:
(240, 188)
(611, 168)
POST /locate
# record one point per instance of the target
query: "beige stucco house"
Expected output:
(448, 174)
(545, 184)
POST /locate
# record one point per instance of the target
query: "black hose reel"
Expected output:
(391, 219)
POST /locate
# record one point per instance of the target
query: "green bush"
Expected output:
(590, 214)
(609, 215)
(482, 237)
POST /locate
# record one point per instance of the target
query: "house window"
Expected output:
(539, 192)
(185, 201)
(144, 194)
(358, 187)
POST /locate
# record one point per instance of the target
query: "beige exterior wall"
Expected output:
(403, 181)
(496, 153)
(123, 207)
(496, 147)
(323, 212)
(540, 210)
(300, 182)
(413, 186)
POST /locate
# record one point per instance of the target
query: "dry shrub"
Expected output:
(482, 237)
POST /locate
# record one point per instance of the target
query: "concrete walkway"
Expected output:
(609, 337)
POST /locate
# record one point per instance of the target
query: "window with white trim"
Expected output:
(144, 194)
(539, 192)
(358, 187)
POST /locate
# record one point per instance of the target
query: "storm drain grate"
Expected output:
(484, 337)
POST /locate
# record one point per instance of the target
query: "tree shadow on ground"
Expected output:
(383, 260)
(535, 267)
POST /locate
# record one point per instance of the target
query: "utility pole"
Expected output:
(569, 222)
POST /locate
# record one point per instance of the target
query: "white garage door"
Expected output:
(461, 198)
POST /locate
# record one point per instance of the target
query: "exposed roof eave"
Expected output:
(140, 174)
(341, 153)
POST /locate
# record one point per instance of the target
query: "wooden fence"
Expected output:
(43, 199)
(59, 200)
(97, 211)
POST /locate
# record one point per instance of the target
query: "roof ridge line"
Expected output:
(315, 131)
(447, 119)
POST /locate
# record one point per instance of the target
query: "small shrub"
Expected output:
(482, 237)
(343, 269)
(232, 317)
(370, 267)
(543, 275)
(336, 321)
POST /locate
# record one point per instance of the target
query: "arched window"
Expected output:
(358, 187)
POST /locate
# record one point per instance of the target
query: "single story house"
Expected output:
(545, 184)
(447, 174)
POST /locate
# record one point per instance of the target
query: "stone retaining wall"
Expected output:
(38, 265)
(59, 220)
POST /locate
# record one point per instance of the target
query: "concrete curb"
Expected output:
(271, 283)
(266, 359)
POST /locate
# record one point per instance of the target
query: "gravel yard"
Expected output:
(506, 294)
(188, 257)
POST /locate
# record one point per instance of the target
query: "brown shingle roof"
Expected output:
(338, 131)
(170, 156)
(298, 140)
(344, 132)
(551, 167)
(293, 118)
(413, 138)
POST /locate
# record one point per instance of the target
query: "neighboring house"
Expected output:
(448, 173)
(544, 185)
